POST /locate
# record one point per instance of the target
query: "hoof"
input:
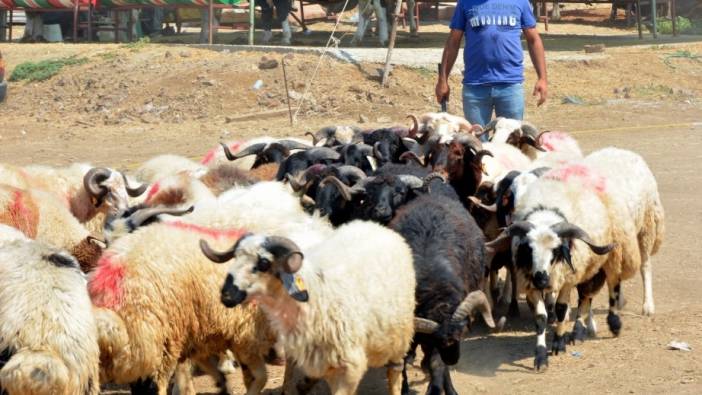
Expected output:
(614, 323)
(579, 333)
(551, 317)
(648, 309)
(559, 344)
(541, 359)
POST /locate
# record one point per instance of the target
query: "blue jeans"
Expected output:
(479, 100)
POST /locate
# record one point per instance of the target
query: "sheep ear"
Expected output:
(565, 251)
(295, 286)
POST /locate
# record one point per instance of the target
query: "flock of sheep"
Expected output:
(341, 253)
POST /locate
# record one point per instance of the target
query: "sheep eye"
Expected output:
(263, 265)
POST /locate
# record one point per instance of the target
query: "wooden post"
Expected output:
(209, 21)
(391, 44)
(287, 93)
(638, 18)
(75, 20)
(11, 22)
(252, 17)
(653, 18)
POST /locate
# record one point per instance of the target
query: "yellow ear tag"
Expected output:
(299, 283)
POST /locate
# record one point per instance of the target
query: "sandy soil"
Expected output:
(129, 103)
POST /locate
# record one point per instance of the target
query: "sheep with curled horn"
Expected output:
(270, 152)
(302, 160)
(314, 196)
(447, 245)
(358, 155)
(331, 136)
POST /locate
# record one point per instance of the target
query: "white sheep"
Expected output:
(88, 192)
(358, 292)
(555, 213)
(40, 216)
(48, 338)
(629, 177)
(529, 140)
(504, 159)
(162, 166)
(145, 329)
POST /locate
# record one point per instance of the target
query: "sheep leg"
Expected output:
(561, 313)
(536, 301)
(647, 277)
(395, 377)
(449, 389)
(514, 302)
(613, 320)
(344, 381)
(551, 307)
(494, 289)
(586, 291)
(184, 379)
(409, 358)
(436, 368)
(254, 376)
(145, 386)
(584, 308)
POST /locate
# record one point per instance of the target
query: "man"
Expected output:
(282, 10)
(493, 58)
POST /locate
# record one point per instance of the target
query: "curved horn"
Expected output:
(572, 231)
(133, 192)
(433, 176)
(413, 182)
(253, 149)
(483, 152)
(376, 151)
(292, 144)
(300, 182)
(530, 140)
(426, 326)
(323, 153)
(409, 155)
(476, 130)
(315, 140)
(415, 126)
(143, 215)
(538, 137)
(214, 256)
(351, 171)
(490, 127)
(344, 189)
(530, 130)
(519, 228)
(92, 180)
(286, 250)
(474, 300)
(477, 202)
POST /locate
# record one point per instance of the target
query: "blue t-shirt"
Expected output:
(493, 28)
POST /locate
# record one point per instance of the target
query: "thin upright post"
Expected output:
(252, 17)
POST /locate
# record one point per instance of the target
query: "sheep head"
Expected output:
(263, 265)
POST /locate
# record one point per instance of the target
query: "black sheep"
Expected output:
(449, 260)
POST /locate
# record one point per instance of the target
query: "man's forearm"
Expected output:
(538, 59)
(448, 59)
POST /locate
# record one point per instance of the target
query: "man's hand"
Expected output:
(540, 90)
(442, 90)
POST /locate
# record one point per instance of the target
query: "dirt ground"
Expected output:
(131, 102)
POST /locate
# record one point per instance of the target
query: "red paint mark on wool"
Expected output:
(152, 191)
(105, 286)
(211, 232)
(587, 176)
(21, 213)
(18, 208)
(552, 140)
(210, 155)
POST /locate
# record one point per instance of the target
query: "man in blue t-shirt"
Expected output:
(493, 58)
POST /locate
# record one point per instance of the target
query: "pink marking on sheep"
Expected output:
(551, 141)
(210, 155)
(211, 232)
(587, 176)
(152, 191)
(105, 286)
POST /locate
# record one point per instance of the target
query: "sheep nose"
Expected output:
(541, 280)
(382, 213)
(231, 295)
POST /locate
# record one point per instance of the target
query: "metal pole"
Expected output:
(638, 18)
(252, 17)
(674, 16)
(391, 45)
(653, 18)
